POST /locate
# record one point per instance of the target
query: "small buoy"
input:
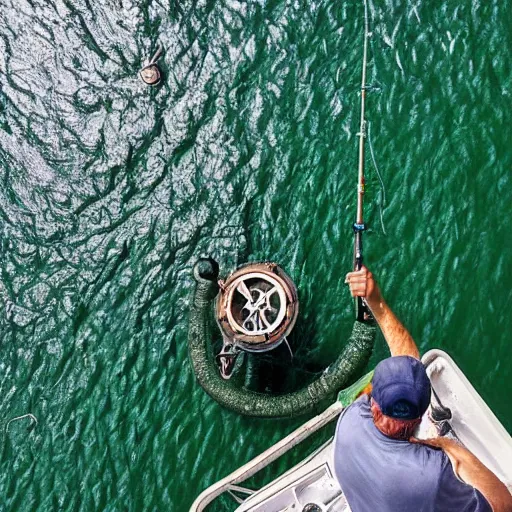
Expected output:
(150, 73)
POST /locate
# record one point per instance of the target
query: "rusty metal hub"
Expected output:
(256, 310)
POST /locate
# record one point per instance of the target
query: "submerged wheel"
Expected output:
(257, 306)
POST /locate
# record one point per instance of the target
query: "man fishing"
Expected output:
(377, 462)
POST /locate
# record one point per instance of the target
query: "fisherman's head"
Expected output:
(400, 395)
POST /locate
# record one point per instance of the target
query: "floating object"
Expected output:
(28, 415)
(230, 393)
(150, 73)
(312, 481)
(256, 309)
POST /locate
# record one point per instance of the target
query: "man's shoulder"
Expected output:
(362, 403)
(431, 457)
(357, 412)
(360, 407)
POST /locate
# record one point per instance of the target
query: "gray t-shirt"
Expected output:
(388, 475)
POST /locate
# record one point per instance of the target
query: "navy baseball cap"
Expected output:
(401, 387)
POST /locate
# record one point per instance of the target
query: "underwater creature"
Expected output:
(202, 331)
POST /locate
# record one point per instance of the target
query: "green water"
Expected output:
(111, 190)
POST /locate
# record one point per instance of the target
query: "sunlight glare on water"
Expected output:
(111, 190)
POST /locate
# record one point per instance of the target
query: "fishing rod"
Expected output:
(362, 310)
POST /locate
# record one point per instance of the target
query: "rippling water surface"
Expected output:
(110, 191)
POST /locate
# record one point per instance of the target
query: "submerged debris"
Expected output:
(29, 415)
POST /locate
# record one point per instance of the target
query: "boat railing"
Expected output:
(230, 482)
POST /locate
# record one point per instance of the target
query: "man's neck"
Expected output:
(391, 427)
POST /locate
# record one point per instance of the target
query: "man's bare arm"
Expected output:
(400, 342)
(469, 469)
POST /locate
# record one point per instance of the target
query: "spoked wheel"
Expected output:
(256, 310)
(258, 305)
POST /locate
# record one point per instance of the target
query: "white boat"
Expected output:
(311, 486)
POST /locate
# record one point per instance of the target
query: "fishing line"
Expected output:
(373, 87)
(382, 204)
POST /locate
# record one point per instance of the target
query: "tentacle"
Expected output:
(202, 327)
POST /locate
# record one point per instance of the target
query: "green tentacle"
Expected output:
(201, 331)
